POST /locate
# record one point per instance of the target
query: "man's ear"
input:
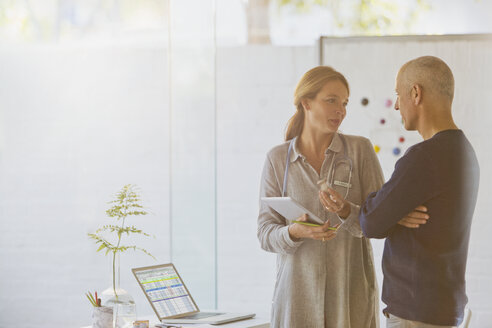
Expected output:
(305, 104)
(416, 94)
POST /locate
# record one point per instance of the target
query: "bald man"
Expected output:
(424, 266)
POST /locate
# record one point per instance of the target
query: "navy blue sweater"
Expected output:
(424, 268)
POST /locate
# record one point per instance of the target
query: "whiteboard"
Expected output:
(371, 63)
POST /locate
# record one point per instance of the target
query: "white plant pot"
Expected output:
(102, 317)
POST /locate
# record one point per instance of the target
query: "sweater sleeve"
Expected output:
(371, 179)
(272, 229)
(412, 183)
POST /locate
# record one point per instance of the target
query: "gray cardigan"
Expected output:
(321, 284)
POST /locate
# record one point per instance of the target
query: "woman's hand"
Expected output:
(333, 202)
(415, 218)
(324, 232)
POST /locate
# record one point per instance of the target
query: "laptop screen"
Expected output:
(165, 290)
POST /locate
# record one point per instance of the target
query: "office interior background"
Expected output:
(182, 98)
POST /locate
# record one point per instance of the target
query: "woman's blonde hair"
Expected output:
(308, 87)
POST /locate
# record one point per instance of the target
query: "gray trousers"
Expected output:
(392, 321)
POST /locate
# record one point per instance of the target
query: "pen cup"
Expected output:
(102, 317)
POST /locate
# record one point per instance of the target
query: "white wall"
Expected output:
(76, 124)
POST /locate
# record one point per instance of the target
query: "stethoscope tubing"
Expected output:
(333, 166)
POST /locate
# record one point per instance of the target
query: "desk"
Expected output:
(248, 323)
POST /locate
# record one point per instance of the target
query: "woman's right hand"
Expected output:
(323, 233)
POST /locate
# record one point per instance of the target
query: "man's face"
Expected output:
(404, 103)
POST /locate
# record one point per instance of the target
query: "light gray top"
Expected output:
(321, 284)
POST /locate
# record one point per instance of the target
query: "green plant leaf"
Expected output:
(125, 204)
(146, 252)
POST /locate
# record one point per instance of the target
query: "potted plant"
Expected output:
(125, 204)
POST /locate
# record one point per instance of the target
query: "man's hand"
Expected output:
(415, 218)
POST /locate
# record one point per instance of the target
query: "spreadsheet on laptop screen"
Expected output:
(166, 291)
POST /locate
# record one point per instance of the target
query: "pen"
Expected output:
(98, 300)
(312, 224)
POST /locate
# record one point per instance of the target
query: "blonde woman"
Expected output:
(325, 277)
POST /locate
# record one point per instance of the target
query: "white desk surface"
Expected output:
(248, 323)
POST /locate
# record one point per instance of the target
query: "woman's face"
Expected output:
(327, 110)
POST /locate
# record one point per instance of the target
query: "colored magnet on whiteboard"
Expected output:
(396, 151)
(377, 148)
(382, 121)
(401, 139)
(364, 101)
(388, 103)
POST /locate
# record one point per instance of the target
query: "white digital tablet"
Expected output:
(290, 209)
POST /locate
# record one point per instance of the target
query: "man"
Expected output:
(424, 267)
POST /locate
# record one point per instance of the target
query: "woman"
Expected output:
(325, 277)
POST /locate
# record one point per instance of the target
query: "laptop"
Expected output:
(171, 300)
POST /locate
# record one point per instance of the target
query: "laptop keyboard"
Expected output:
(201, 315)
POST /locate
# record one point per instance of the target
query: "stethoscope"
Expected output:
(335, 163)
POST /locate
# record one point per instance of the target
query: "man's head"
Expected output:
(423, 84)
